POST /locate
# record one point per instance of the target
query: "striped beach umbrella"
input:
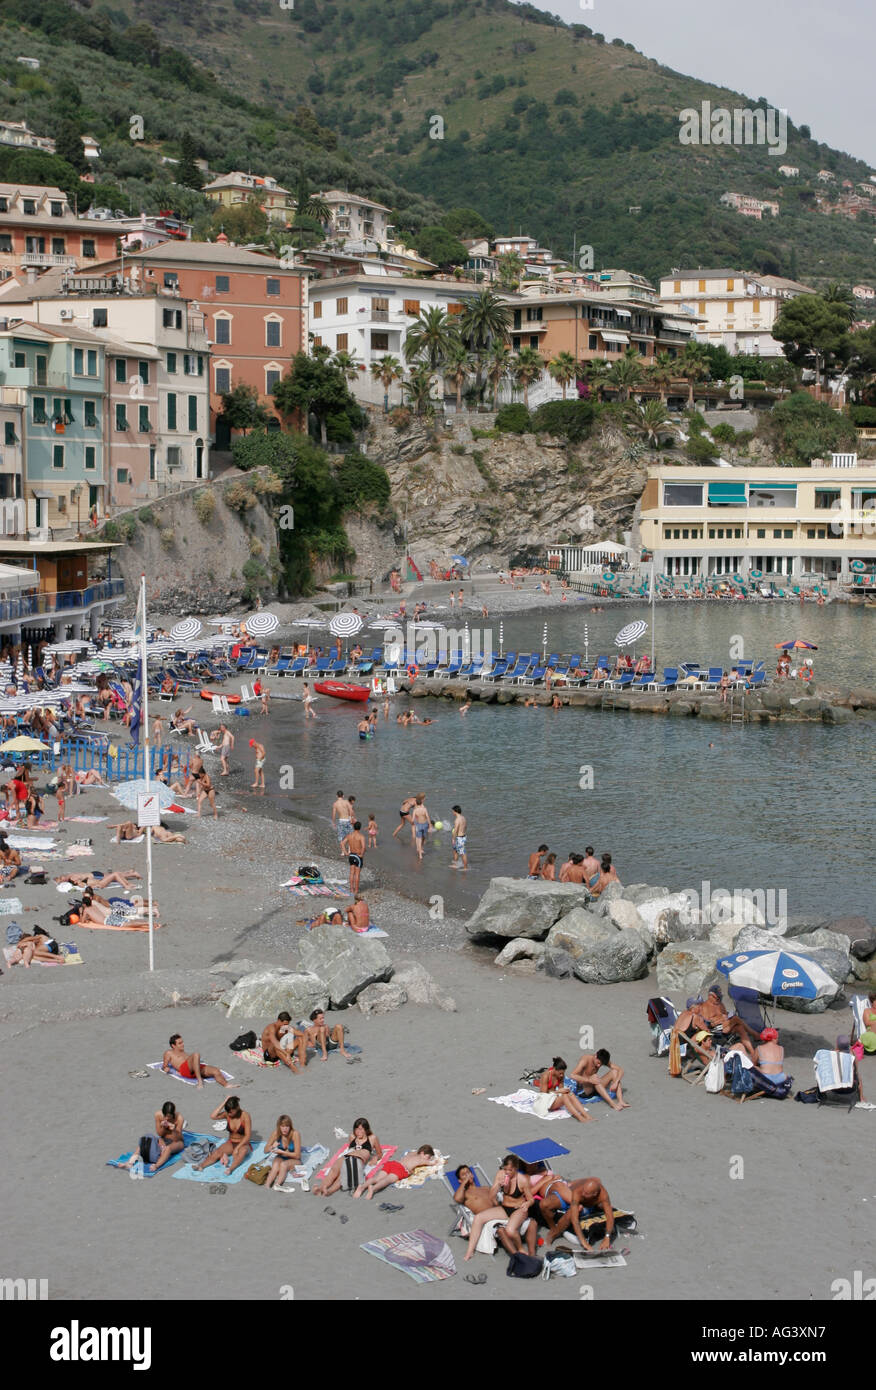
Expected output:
(631, 633)
(185, 630)
(260, 624)
(344, 624)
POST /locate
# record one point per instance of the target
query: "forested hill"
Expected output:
(538, 125)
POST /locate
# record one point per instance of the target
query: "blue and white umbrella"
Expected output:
(127, 793)
(777, 973)
(346, 624)
(185, 630)
(260, 624)
(631, 633)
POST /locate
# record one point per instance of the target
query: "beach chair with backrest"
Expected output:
(661, 1013)
(452, 670)
(203, 744)
(756, 680)
(713, 679)
(496, 671)
(669, 681)
(245, 657)
(859, 1005)
(747, 1007)
(246, 695)
(298, 667)
(836, 1078)
(642, 682)
(217, 704)
(622, 682)
(463, 1218)
(282, 666)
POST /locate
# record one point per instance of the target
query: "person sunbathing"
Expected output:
(96, 880)
(511, 1196)
(319, 1035)
(91, 778)
(277, 1042)
(868, 1017)
(358, 916)
(181, 723)
(169, 1126)
(284, 1147)
(237, 1146)
(713, 1015)
(188, 1065)
(396, 1170)
(363, 1148)
(9, 858)
(35, 947)
(129, 831)
(771, 1055)
(97, 910)
(557, 1096)
(589, 1083)
(481, 1202)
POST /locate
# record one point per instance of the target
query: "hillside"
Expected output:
(546, 128)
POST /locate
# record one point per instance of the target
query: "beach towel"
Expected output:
(373, 930)
(187, 1080)
(189, 1136)
(420, 1176)
(86, 820)
(388, 1151)
(423, 1257)
(256, 1056)
(525, 1102)
(116, 922)
(9, 952)
(834, 1071)
(30, 841)
(301, 1174)
(9, 907)
(216, 1172)
(70, 952)
(79, 851)
(138, 839)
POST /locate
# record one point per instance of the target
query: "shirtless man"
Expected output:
(480, 1199)
(237, 1146)
(590, 864)
(566, 868)
(342, 818)
(205, 791)
(396, 1170)
(259, 750)
(358, 916)
(169, 1125)
(576, 871)
(587, 1195)
(458, 838)
(319, 1035)
(714, 1015)
(225, 748)
(404, 812)
(189, 1065)
(585, 1074)
(535, 862)
(421, 824)
(275, 1046)
(356, 854)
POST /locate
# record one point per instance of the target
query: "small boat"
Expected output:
(232, 699)
(342, 690)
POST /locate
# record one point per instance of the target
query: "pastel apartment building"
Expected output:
(230, 190)
(733, 308)
(19, 135)
(254, 310)
(750, 207)
(537, 260)
(356, 219)
(39, 229)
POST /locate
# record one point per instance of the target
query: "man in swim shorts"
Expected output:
(278, 1040)
(259, 750)
(342, 818)
(356, 855)
(189, 1065)
(459, 838)
(395, 1171)
(421, 824)
(586, 1076)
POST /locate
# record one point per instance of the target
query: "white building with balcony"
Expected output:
(357, 219)
(735, 309)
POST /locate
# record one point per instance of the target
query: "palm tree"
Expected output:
(418, 388)
(428, 338)
(457, 366)
(348, 364)
(564, 369)
(626, 373)
(528, 367)
(485, 320)
(693, 365)
(841, 296)
(596, 371)
(386, 370)
(499, 365)
(662, 372)
(309, 203)
(650, 419)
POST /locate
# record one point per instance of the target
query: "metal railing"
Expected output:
(113, 762)
(67, 600)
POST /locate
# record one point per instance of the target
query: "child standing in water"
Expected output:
(372, 831)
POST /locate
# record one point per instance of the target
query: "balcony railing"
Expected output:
(43, 260)
(55, 380)
(35, 605)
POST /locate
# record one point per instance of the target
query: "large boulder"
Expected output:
(687, 967)
(823, 938)
(725, 936)
(347, 962)
(602, 953)
(669, 917)
(836, 714)
(622, 913)
(266, 993)
(382, 998)
(520, 949)
(558, 964)
(523, 907)
(861, 934)
(420, 988)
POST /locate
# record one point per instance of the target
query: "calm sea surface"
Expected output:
(779, 807)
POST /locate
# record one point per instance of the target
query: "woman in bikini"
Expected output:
(237, 1146)
(36, 947)
(555, 1094)
(363, 1148)
(284, 1146)
(512, 1197)
(169, 1125)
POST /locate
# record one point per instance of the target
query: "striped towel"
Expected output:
(834, 1071)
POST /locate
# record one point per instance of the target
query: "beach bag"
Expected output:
(522, 1266)
(244, 1042)
(714, 1077)
(258, 1173)
(37, 876)
(557, 1262)
(809, 1097)
(149, 1148)
(13, 934)
(310, 873)
(742, 1081)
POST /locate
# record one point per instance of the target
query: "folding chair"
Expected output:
(246, 694)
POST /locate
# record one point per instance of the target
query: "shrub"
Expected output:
(700, 449)
(267, 485)
(239, 497)
(400, 418)
(167, 537)
(863, 415)
(361, 480)
(147, 516)
(514, 419)
(570, 420)
(484, 434)
(205, 507)
(458, 449)
(724, 434)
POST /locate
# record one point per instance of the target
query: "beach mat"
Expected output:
(388, 1151)
(420, 1176)
(524, 1101)
(9, 907)
(216, 1173)
(189, 1136)
(423, 1257)
(118, 926)
(137, 840)
(186, 1080)
(86, 820)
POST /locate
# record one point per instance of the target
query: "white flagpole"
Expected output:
(653, 668)
(144, 708)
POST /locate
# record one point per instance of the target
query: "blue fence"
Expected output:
(114, 762)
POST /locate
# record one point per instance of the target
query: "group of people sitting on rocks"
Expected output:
(594, 874)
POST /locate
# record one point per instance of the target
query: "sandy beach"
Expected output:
(73, 1034)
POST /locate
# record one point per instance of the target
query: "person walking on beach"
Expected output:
(205, 791)
(356, 854)
(225, 749)
(421, 824)
(386, 708)
(342, 818)
(259, 750)
(188, 1065)
(458, 839)
(372, 831)
(307, 700)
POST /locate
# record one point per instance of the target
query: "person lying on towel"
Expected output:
(189, 1064)
(395, 1171)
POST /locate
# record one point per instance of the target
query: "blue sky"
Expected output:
(812, 58)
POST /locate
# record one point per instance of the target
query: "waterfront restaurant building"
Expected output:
(783, 522)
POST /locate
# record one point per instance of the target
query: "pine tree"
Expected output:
(69, 146)
(188, 172)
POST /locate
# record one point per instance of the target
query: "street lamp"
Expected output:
(77, 493)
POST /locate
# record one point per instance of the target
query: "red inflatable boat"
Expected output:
(342, 690)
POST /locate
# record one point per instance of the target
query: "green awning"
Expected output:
(727, 494)
(774, 487)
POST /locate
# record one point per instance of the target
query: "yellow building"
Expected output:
(232, 189)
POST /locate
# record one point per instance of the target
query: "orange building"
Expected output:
(254, 307)
(39, 230)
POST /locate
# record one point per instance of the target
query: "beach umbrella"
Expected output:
(185, 630)
(797, 645)
(260, 624)
(459, 560)
(23, 744)
(346, 624)
(631, 633)
(127, 793)
(858, 565)
(608, 577)
(779, 974)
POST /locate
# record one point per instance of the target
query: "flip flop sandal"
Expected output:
(351, 1061)
(329, 1211)
(138, 1075)
(218, 1187)
(343, 1220)
(388, 1206)
(476, 1278)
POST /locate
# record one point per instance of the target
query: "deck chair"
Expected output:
(836, 1078)
(463, 1218)
(246, 694)
(747, 1082)
(661, 1014)
(859, 1004)
(622, 682)
(748, 1007)
(203, 744)
(217, 704)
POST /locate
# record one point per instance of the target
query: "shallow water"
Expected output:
(778, 807)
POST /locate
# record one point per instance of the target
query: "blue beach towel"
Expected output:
(216, 1173)
(190, 1137)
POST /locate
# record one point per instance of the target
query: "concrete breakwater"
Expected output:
(785, 701)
